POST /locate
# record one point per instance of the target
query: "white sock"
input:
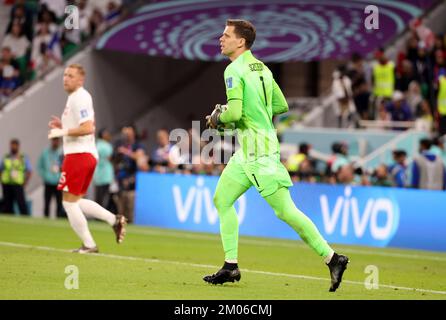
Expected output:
(93, 210)
(328, 258)
(231, 261)
(79, 223)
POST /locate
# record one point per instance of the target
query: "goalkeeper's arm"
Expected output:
(280, 105)
(233, 112)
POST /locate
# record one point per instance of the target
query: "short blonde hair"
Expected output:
(80, 69)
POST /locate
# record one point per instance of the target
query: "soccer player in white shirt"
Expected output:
(77, 128)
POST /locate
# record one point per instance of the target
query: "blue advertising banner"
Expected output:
(371, 216)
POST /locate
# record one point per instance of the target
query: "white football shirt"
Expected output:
(78, 110)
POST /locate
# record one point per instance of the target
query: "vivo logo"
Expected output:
(199, 199)
(346, 209)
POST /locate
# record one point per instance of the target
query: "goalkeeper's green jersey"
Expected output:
(248, 80)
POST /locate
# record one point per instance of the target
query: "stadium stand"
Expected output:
(35, 32)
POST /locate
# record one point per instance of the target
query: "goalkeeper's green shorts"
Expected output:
(267, 174)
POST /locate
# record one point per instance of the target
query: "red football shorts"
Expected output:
(77, 172)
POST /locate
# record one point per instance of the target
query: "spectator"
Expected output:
(439, 65)
(360, 76)
(46, 51)
(47, 19)
(9, 74)
(438, 148)
(345, 174)
(357, 70)
(383, 115)
(160, 156)
(104, 175)
(15, 171)
(341, 157)
(428, 171)
(412, 48)
(181, 153)
(361, 98)
(103, 6)
(85, 12)
(345, 109)
(398, 169)
(197, 166)
(399, 109)
(49, 168)
(97, 23)
(380, 177)
(414, 97)
(439, 44)
(422, 69)
(23, 16)
(441, 104)
(209, 167)
(405, 77)
(306, 172)
(383, 76)
(423, 32)
(293, 162)
(130, 158)
(55, 7)
(19, 46)
(17, 42)
(111, 17)
(425, 120)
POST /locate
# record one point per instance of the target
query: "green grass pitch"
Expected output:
(154, 263)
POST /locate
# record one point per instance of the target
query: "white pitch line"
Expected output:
(187, 264)
(274, 243)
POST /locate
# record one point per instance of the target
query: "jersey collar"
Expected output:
(244, 55)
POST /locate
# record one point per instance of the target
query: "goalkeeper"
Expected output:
(253, 98)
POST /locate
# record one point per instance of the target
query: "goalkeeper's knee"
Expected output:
(221, 202)
(280, 214)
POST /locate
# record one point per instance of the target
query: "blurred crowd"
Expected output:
(412, 88)
(121, 158)
(37, 38)
(424, 170)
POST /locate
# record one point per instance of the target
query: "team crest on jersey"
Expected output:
(84, 113)
(229, 83)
